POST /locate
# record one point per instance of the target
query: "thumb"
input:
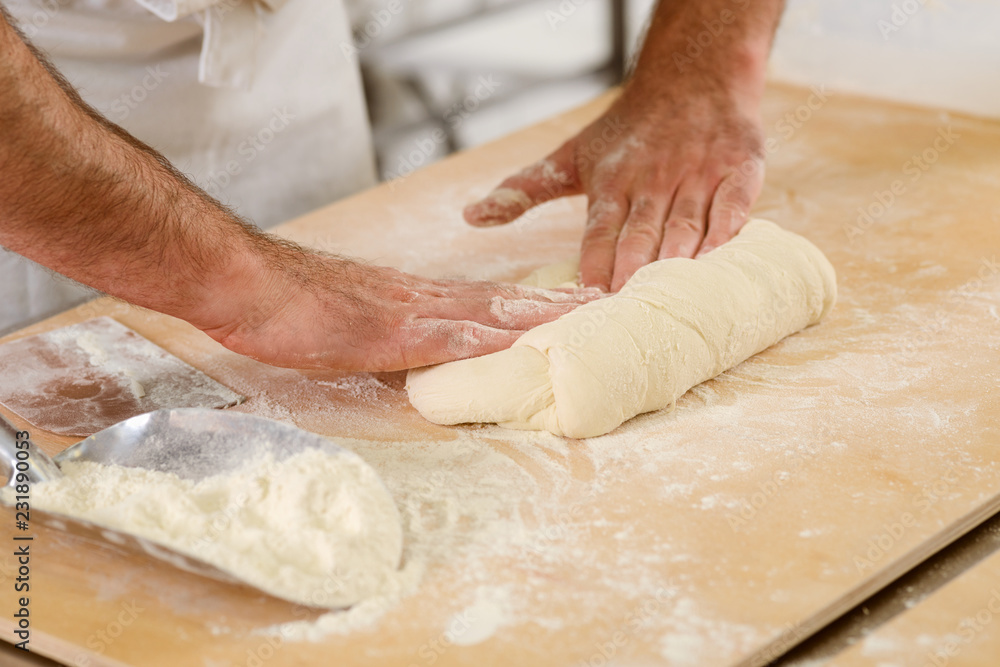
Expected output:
(547, 179)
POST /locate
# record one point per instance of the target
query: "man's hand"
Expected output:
(311, 310)
(82, 197)
(673, 167)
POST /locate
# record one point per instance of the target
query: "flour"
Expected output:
(455, 502)
(503, 199)
(589, 539)
(362, 386)
(314, 528)
(108, 371)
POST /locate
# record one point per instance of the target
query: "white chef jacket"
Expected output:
(258, 101)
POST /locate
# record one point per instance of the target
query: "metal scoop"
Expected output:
(192, 443)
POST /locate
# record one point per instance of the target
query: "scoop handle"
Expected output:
(13, 445)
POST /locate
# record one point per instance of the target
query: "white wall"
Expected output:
(938, 53)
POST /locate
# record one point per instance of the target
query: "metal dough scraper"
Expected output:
(193, 443)
(79, 379)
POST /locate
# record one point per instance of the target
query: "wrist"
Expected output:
(715, 47)
(239, 291)
(734, 73)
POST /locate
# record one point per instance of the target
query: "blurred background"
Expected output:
(445, 75)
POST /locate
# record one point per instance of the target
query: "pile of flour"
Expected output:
(315, 528)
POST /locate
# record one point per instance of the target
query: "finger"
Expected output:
(525, 314)
(731, 204)
(485, 290)
(499, 312)
(553, 177)
(685, 225)
(424, 342)
(639, 242)
(577, 295)
(605, 218)
(565, 294)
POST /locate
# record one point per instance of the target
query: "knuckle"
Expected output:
(640, 233)
(754, 148)
(599, 275)
(687, 208)
(600, 233)
(660, 175)
(606, 178)
(391, 326)
(604, 208)
(466, 338)
(726, 222)
(731, 208)
(745, 175)
(733, 191)
(643, 206)
(686, 224)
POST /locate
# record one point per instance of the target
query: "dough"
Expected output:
(560, 274)
(675, 324)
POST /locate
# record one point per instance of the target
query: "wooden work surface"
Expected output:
(721, 532)
(957, 626)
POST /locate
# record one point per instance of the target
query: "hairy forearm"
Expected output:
(711, 44)
(82, 197)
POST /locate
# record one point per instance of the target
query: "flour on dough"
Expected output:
(316, 528)
(675, 324)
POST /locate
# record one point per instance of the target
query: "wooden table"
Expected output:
(722, 532)
(955, 626)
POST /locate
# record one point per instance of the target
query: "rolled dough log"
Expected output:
(675, 324)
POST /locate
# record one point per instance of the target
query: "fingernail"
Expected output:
(474, 215)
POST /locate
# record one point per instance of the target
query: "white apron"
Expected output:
(253, 99)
